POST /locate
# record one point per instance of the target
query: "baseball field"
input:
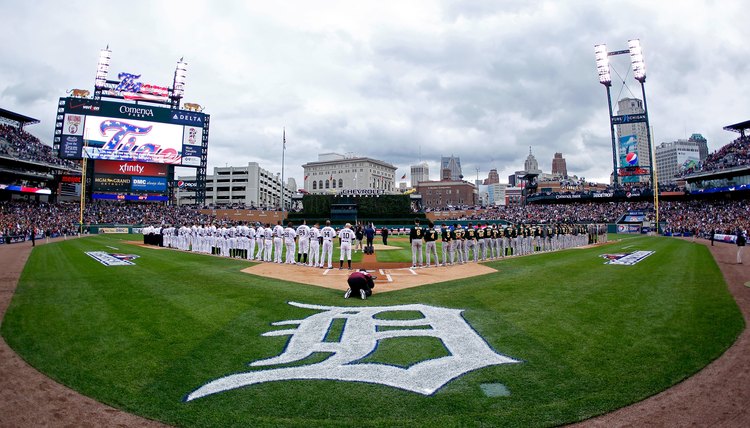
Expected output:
(541, 340)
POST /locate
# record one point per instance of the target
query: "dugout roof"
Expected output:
(22, 120)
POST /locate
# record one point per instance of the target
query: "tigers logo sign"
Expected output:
(363, 329)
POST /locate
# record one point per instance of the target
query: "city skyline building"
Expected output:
(559, 166)
(632, 138)
(249, 184)
(419, 172)
(453, 163)
(673, 157)
(336, 173)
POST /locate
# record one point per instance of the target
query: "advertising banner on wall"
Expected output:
(149, 185)
(628, 149)
(130, 168)
(112, 183)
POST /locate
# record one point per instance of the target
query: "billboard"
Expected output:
(108, 130)
(628, 149)
(148, 185)
(130, 168)
(112, 183)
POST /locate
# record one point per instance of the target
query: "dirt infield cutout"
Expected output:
(388, 279)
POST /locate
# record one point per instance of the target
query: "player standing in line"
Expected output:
(328, 234)
(489, 247)
(415, 239)
(232, 241)
(289, 236)
(303, 242)
(481, 248)
(346, 237)
(445, 239)
(470, 243)
(456, 244)
(313, 253)
(250, 242)
(430, 238)
(268, 256)
(278, 241)
(260, 241)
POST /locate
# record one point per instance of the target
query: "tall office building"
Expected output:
(673, 157)
(531, 165)
(632, 138)
(559, 167)
(454, 164)
(248, 184)
(419, 172)
(492, 178)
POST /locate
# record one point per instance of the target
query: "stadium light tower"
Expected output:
(178, 85)
(102, 70)
(639, 72)
(605, 78)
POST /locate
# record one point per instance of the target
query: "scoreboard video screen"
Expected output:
(114, 131)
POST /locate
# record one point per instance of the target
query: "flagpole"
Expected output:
(283, 151)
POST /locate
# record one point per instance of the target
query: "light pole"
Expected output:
(639, 73)
(602, 68)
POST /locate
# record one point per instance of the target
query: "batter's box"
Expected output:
(388, 279)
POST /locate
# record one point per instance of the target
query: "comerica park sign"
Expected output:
(363, 329)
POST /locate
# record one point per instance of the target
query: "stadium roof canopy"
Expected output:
(738, 127)
(18, 118)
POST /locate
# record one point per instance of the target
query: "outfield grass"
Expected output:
(591, 337)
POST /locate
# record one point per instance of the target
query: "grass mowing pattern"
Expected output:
(592, 337)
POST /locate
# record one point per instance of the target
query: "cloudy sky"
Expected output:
(400, 81)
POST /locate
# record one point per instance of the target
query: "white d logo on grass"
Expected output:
(359, 338)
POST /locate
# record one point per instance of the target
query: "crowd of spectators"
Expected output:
(736, 153)
(701, 217)
(704, 218)
(19, 144)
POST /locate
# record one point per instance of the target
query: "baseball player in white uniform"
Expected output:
(289, 235)
(268, 253)
(328, 234)
(251, 242)
(303, 242)
(260, 241)
(346, 237)
(278, 240)
(314, 250)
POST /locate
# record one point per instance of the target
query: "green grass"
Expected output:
(591, 337)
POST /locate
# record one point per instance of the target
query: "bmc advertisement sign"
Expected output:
(130, 168)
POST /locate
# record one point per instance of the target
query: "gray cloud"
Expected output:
(398, 81)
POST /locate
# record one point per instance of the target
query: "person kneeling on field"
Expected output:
(360, 282)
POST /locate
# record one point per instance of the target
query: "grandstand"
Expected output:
(28, 167)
